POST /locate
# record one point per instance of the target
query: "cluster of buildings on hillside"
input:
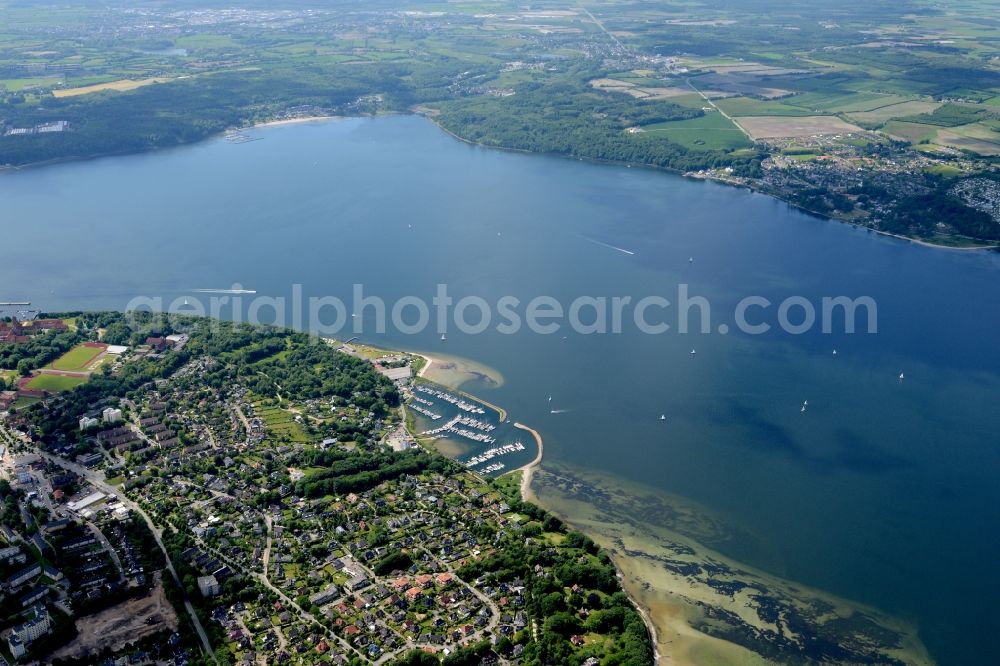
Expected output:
(42, 128)
(16, 330)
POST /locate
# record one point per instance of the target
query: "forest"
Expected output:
(564, 118)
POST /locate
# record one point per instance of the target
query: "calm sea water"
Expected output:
(882, 491)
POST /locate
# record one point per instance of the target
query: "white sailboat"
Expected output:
(663, 417)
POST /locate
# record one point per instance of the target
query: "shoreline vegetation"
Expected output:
(705, 607)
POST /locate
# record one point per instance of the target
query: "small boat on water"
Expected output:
(901, 376)
(663, 417)
(693, 352)
(442, 337)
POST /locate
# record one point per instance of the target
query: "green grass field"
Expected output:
(55, 383)
(26, 401)
(16, 85)
(76, 359)
(747, 106)
(709, 132)
(281, 423)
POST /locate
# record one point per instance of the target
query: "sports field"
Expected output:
(78, 358)
(55, 383)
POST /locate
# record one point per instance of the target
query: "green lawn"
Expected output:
(25, 402)
(55, 383)
(709, 132)
(76, 358)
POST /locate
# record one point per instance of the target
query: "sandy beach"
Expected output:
(528, 471)
(296, 121)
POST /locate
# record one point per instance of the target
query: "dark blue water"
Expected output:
(883, 491)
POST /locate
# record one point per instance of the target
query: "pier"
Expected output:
(426, 412)
(448, 397)
(490, 454)
(451, 428)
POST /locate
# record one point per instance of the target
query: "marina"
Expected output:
(448, 397)
(470, 424)
(490, 454)
(426, 412)
(451, 428)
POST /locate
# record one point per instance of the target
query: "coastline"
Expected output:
(526, 493)
(426, 113)
(294, 121)
(703, 607)
(690, 175)
(528, 471)
(464, 370)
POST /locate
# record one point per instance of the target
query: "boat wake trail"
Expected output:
(225, 291)
(559, 411)
(603, 244)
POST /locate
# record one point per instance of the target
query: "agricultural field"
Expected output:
(713, 131)
(861, 102)
(17, 85)
(891, 111)
(912, 132)
(775, 127)
(748, 106)
(954, 137)
(78, 359)
(118, 86)
(657, 91)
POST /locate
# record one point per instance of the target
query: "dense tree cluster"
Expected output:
(565, 118)
(345, 472)
(920, 215)
(38, 351)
